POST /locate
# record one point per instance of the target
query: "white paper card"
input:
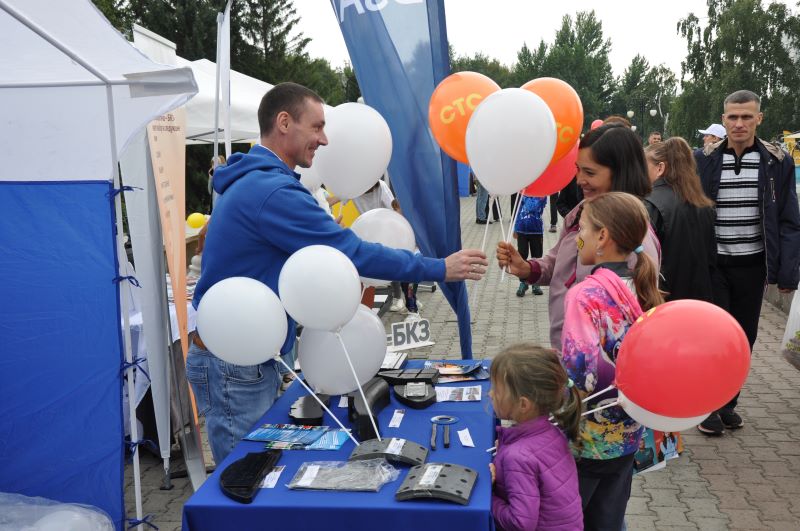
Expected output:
(342, 401)
(308, 476)
(272, 478)
(397, 418)
(430, 475)
(466, 438)
(395, 446)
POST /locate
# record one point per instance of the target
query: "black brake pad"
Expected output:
(444, 481)
(392, 449)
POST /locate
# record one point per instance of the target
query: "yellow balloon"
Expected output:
(196, 220)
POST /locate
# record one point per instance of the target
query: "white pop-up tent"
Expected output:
(246, 94)
(73, 92)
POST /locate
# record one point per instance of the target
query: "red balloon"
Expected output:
(683, 359)
(557, 175)
(597, 123)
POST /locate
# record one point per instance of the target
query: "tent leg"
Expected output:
(167, 485)
(188, 430)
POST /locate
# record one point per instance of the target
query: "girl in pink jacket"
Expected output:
(534, 475)
(598, 313)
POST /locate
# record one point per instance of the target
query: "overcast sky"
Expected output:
(498, 28)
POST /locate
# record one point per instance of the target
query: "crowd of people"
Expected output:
(642, 225)
(655, 223)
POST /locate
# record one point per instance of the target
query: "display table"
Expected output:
(302, 510)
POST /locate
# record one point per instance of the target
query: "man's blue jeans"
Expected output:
(231, 397)
(481, 201)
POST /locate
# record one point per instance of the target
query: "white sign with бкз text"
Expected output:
(409, 334)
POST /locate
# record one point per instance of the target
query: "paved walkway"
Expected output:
(747, 479)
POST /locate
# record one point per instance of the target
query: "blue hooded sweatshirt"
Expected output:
(263, 215)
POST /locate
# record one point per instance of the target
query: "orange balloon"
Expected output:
(451, 107)
(567, 109)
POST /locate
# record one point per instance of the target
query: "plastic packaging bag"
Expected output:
(367, 475)
(790, 346)
(23, 513)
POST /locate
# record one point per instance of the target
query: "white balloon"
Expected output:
(358, 151)
(73, 519)
(658, 422)
(319, 287)
(310, 178)
(323, 361)
(242, 321)
(387, 227)
(510, 140)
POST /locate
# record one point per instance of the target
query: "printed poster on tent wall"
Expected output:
(167, 136)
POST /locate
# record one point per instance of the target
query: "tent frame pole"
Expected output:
(122, 260)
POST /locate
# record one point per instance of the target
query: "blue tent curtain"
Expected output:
(60, 344)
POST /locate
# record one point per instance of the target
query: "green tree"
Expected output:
(350, 84)
(117, 12)
(485, 65)
(641, 89)
(741, 45)
(529, 63)
(579, 56)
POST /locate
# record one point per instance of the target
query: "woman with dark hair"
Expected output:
(683, 219)
(610, 158)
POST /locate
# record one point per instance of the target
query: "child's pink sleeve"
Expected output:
(580, 338)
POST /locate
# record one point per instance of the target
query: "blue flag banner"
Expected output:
(399, 53)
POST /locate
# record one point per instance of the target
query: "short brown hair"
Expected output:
(742, 96)
(617, 119)
(289, 97)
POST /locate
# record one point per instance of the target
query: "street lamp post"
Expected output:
(653, 113)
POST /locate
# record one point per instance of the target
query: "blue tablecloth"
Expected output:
(285, 509)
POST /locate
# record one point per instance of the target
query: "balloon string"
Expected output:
(312, 393)
(612, 404)
(510, 227)
(500, 214)
(598, 393)
(486, 228)
(363, 290)
(502, 232)
(360, 389)
(514, 215)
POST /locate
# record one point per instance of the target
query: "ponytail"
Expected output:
(569, 416)
(645, 281)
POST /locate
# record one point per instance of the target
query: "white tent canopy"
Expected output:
(71, 66)
(246, 94)
(73, 92)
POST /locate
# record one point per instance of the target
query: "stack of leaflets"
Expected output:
(655, 449)
(458, 372)
(296, 437)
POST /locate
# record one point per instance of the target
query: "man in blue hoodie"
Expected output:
(264, 215)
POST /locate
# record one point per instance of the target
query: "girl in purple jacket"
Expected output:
(598, 313)
(534, 475)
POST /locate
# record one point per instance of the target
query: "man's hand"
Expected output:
(201, 238)
(467, 264)
(492, 471)
(508, 256)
